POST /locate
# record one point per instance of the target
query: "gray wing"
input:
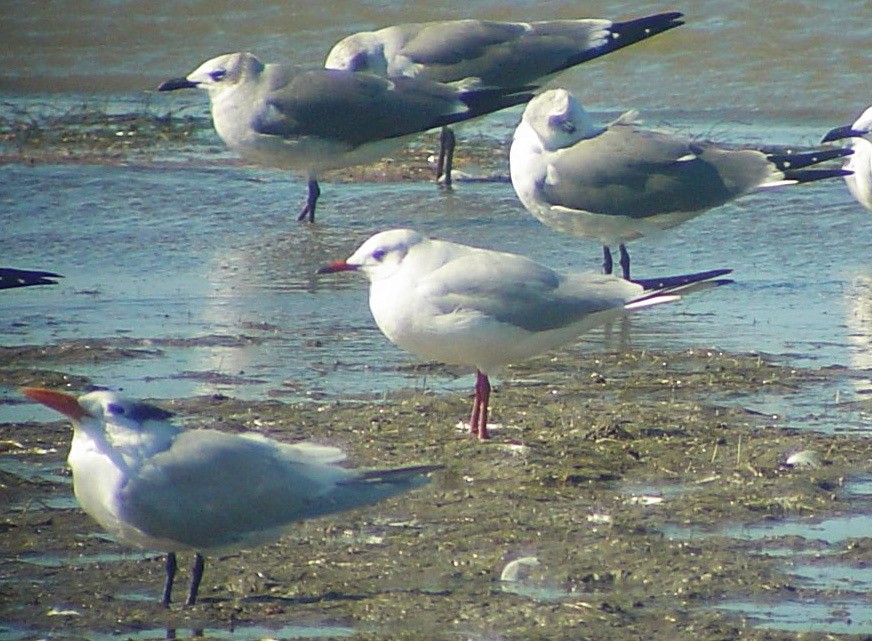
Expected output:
(631, 172)
(511, 289)
(353, 107)
(213, 489)
(502, 54)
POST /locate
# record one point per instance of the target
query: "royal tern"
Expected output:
(153, 485)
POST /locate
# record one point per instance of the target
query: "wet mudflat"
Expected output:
(635, 472)
(596, 459)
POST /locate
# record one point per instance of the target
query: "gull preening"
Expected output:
(485, 309)
(859, 134)
(153, 485)
(318, 119)
(500, 54)
(619, 182)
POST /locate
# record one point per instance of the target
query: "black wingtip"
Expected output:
(629, 32)
(788, 159)
(11, 278)
(670, 282)
(485, 100)
(812, 175)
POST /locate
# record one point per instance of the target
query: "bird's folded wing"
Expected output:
(629, 172)
(354, 108)
(213, 489)
(511, 289)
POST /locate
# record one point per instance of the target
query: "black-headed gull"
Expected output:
(463, 305)
(619, 182)
(318, 119)
(11, 278)
(501, 54)
(860, 135)
(153, 485)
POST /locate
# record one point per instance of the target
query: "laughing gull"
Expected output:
(617, 183)
(153, 485)
(860, 134)
(313, 120)
(500, 54)
(11, 278)
(486, 309)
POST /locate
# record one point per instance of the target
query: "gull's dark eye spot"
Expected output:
(379, 254)
(218, 74)
(563, 123)
(115, 408)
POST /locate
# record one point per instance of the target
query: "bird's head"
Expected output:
(218, 74)
(558, 119)
(106, 417)
(380, 256)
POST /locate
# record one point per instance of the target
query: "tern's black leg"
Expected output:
(171, 577)
(446, 156)
(308, 212)
(196, 577)
(625, 262)
(607, 260)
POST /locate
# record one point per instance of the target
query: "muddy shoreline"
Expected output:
(602, 455)
(555, 483)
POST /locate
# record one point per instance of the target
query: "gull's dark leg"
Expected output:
(607, 260)
(308, 212)
(446, 156)
(478, 422)
(196, 577)
(171, 566)
(625, 262)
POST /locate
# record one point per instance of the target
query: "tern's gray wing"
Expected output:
(212, 489)
(626, 171)
(354, 108)
(511, 289)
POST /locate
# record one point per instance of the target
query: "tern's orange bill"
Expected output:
(66, 404)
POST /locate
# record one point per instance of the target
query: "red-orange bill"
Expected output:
(66, 404)
(337, 266)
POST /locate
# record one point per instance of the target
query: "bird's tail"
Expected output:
(793, 164)
(670, 288)
(371, 486)
(623, 34)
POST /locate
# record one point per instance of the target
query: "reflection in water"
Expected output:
(858, 318)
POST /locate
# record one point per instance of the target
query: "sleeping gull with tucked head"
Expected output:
(619, 182)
